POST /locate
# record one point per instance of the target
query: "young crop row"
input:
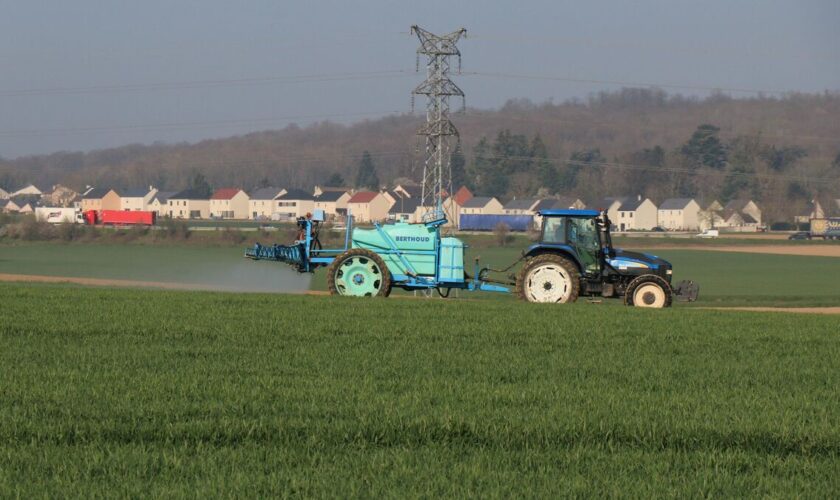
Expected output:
(115, 392)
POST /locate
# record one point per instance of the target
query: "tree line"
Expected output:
(642, 141)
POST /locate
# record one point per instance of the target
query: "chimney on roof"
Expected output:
(639, 197)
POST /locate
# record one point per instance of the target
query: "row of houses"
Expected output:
(401, 203)
(634, 213)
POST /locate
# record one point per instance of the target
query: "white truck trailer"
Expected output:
(59, 215)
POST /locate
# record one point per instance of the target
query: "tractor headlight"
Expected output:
(669, 271)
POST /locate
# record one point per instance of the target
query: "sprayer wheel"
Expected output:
(359, 273)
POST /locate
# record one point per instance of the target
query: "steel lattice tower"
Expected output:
(441, 135)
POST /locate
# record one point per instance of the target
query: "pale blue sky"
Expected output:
(754, 44)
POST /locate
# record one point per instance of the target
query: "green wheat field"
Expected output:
(135, 393)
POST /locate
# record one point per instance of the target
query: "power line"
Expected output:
(634, 45)
(181, 125)
(197, 84)
(588, 121)
(298, 159)
(626, 83)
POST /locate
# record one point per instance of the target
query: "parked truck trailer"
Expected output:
(119, 218)
(59, 215)
(827, 229)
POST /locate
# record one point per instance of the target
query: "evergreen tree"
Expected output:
(783, 158)
(335, 180)
(458, 163)
(366, 177)
(588, 159)
(487, 177)
(200, 185)
(264, 183)
(705, 148)
(547, 172)
(741, 179)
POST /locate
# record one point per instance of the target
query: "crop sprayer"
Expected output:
(573, 257)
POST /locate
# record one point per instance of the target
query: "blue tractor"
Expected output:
(574, 257)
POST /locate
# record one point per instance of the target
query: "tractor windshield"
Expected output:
(554, 230)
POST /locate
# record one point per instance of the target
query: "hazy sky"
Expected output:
(84, 74)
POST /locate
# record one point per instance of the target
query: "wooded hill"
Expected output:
(781, 151)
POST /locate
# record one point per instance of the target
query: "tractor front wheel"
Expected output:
(359, 273)
(548, 278)
(648, 290)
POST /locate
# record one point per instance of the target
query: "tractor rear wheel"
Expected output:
(359, 273)
(548, 278)
(648, 290)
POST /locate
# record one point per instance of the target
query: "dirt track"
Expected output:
(804, 250)
(803, 310)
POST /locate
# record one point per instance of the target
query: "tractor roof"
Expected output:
(569, 212)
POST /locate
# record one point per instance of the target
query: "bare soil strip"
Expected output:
(802, 250)
(801, 310)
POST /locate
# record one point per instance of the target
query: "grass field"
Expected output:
(148, 393)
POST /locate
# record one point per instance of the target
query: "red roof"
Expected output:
(363, 197)
(462, 196)
(225, 193)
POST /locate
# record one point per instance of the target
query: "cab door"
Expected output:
(584, 237)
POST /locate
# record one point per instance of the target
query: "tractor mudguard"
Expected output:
(563, 250)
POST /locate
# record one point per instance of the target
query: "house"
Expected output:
(92, 199)
(4, 195)
(679, 214)
(292, 204)
(188, 204)
(261, 203)
(368, 206)
(409, 190)
(9, 205)
(111, 200)
(736, 221)
(521, 206)
(710, 216)
(405, 209)
(30, 189)
(482, 205)
(159, 203)
(136, 199)
(333, 203)
(745, 207)
(229, 203)
(637, 214)
(558, 203)
(60, 196)
(319, 190)
(630, 213)
(452, 205)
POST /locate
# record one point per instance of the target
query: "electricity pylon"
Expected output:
(441, 135)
